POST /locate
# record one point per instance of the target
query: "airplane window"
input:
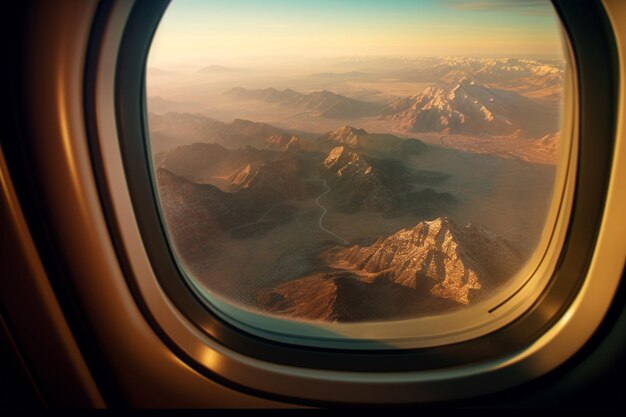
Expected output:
(363, 170)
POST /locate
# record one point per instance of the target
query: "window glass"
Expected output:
(357, 161)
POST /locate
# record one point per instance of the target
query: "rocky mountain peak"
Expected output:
(340, 156)
(452, 261)
(347, 135)
(283, 141)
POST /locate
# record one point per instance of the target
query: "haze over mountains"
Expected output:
(322, 103)
(374, 191)
(517, 74)
(473, 109)
(463, 106)
(171, 129)
(424, 98)
(384, 185)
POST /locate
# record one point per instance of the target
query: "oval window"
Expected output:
(349, 165)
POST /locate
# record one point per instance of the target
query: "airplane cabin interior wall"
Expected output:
(97, 312)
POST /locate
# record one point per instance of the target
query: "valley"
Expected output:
(339, 204)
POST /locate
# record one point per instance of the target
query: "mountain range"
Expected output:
(171, 129)
(433, 266)
(321, 103)
(202, 214)
(199, 161)
(463, 108)
(186, 128)
(542, 79)
(469, 108)
(456, 259)
(281, 179)
(386, 185)
(260, 209)
(364, 171)
(374, 143)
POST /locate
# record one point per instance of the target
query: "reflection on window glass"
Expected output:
(355, 161)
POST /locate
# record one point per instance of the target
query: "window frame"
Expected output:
(596, 86)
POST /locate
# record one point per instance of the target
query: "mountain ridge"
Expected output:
(466, 107)
(323, 103)
(432, 267)
(458, 259)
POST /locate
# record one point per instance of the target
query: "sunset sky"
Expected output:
(215, 32)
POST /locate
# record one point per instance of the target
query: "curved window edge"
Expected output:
(146, 290)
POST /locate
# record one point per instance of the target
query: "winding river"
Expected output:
(324, 211)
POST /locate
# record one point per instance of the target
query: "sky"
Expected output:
(216, 32)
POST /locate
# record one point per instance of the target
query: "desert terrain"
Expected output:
(383, 189)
